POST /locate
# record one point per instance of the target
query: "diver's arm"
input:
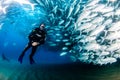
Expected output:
(32, 34)
(41, 37)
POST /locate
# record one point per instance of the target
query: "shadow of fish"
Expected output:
(4, 58)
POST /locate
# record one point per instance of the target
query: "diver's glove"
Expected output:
(35, 44)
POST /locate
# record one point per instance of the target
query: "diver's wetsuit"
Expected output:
(37, 35)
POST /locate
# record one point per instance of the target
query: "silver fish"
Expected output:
(55, 9)
(85, 26)
(97, 30)
(77, 9)
(111, 37)
(70, 11)
(63, 53)
(113, 47)
(115, 26)
(68, 44)
(74, 3)
(98, 7)
(117, 12)
(98, 20)
(92, 2)
(65, 40)
(58, 40)
(106, 9)
(108, 21)
(64, 48)
(58, 34)
(83, 15)
(93, 46)
(65, 34)
(67, 23)
(61, 22)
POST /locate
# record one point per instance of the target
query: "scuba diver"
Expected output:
(36, 38)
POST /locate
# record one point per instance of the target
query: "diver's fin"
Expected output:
(20, 59)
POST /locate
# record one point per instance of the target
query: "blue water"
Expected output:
(12, 43)
(17, 23)
(18, 20)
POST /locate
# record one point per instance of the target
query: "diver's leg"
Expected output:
(34, 48)
(23, 53)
